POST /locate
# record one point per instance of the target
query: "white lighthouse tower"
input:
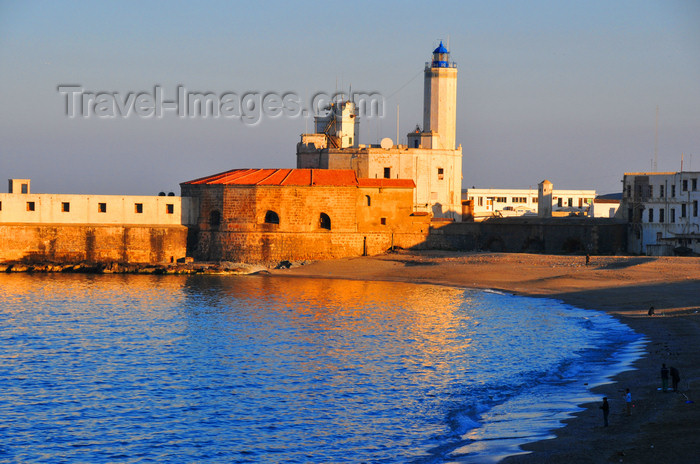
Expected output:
(439, 103)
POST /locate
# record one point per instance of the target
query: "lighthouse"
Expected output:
(439, 103)
(430, 158)
(440, 98)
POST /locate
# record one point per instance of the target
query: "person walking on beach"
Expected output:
(606, 410)
(628, 401)
(675, 378)
(664, 378)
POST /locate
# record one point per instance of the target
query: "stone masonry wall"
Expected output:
(516, 235)
(72, 243)
(261, 247)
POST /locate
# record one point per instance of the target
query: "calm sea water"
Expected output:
(120, 369)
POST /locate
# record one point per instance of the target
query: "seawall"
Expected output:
(95, 243)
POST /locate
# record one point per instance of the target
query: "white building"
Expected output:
(20, 205)
(604, 208)
(487, 203)
(430, 158)
(662, 210)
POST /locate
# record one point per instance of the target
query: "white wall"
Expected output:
(85, 209)
(481, 197)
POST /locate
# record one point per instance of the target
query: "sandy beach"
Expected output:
(663, 427)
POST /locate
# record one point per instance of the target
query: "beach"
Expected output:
(663, 426)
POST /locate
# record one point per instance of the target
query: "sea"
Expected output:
(268, 369)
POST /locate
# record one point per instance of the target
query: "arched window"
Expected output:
(368, 200)
(214, 218)
(272, 218)
(325, 221)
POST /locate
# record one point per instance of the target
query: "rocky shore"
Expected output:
(224, 267)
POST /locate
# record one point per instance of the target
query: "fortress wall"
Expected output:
(597, 236)
(70, 243)
(262, 247)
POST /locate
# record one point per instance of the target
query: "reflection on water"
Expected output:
(257, 369)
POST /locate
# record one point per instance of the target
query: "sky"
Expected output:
(566, 91)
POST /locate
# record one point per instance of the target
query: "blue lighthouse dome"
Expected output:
(441, 49)
(441, 57)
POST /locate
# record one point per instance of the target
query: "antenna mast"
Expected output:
(656, 141)
(397, 125)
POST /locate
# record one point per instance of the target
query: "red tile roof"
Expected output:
(298, 177)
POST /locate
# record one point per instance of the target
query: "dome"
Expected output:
(440, 49)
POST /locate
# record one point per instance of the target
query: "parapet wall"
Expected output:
(72, 243)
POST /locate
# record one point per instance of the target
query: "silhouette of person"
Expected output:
(628, 401)
(675, 378)
(664, 377)
(606, 410)
(651, 311)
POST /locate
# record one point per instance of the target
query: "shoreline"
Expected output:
(663, 426)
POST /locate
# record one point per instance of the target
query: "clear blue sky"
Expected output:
(547, 89)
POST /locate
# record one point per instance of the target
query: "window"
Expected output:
(673, 214)
(387, 173)
(25, 188)
(169, 208)
(651, 190)
(651, 214)
(138, 208)
(65, 207)
(214, 218)
(481, 201)
(673, 190)
(685, 185)
(683, 212)
(383, 221)
(272, 218)
(694, 183)
(580, 202)
(518, 200)
(570, 202)
(415, 144)
(350, 140)
(368, 200)
(661, 191)
(102, 207)
(695, 208)
(30, 206)
(325, 221)
(501, 199)
(0, 205)
(441, 174)
(560, 202)
(661, 215)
